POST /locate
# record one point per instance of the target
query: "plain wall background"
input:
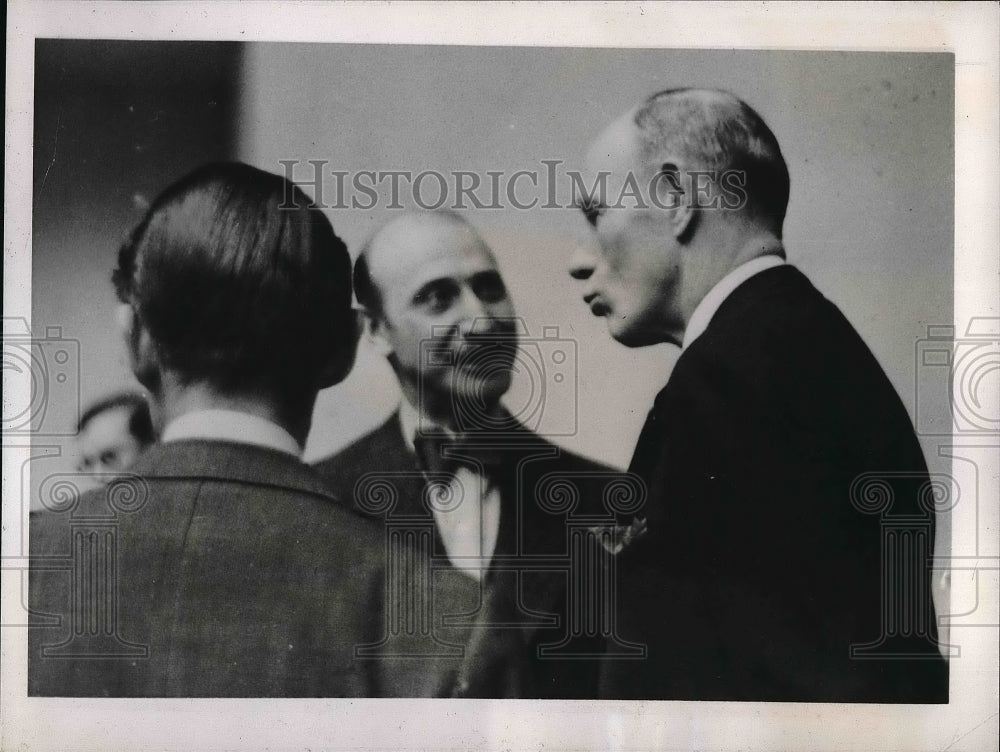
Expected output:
(868, 138)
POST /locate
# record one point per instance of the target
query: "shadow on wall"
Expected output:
(115, 123)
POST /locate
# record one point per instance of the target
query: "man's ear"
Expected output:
(139, 345)
(374, 327)
(341, 359)
(672, 193)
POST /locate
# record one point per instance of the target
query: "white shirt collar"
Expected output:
(411, 421)
(232, 426)
(408, 420)
(706, 309)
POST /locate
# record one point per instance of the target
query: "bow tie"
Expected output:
(441, 453)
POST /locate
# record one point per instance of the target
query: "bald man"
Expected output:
(463, 472)
(770, 570)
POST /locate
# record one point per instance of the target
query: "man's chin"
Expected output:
(631, 336)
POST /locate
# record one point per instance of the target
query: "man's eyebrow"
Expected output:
(591, 208)
(485, 274)
(431, 284)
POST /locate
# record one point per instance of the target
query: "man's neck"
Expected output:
(416, 419)
(179, 399)
(708, 264)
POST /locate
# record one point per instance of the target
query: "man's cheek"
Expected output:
(612, 251)
(507, 313)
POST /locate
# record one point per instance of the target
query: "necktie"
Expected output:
(463, 498)
(440, 453)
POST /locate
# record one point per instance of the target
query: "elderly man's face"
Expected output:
(446, 316)
(632, 272)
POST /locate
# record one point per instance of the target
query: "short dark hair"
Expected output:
(240, 280)
(140, 423)
(714, 130)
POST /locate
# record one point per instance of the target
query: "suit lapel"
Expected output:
(524, 532)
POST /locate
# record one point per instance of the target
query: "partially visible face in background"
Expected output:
(106, 445)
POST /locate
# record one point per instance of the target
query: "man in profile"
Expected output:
(763, 575)
(112, 433)
(220, 566)
(464, 471)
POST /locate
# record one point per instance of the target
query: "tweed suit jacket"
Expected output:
(767, 572)
(510, 635)
(220, 570)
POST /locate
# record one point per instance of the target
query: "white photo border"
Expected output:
(969, 721)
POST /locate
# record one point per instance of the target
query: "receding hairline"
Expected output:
(693, 94)
(426, 220)
(713, 129)
(713, 105)
(393, 236)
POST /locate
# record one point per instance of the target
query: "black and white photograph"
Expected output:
(376, 386)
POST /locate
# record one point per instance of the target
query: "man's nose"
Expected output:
(581, 263)
(474, 315)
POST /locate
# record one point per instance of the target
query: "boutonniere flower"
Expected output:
(616, 538)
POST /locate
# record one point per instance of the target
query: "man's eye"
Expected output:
(489, 288)
(437, 298)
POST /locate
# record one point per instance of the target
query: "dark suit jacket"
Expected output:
(759, 572)
(237, 575)
(508, 636)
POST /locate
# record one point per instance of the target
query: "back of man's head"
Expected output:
(241, 283)
(715, 132)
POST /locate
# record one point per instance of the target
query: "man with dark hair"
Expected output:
(464, 472)
(766, 573)
(112, 433)
(221, 566)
